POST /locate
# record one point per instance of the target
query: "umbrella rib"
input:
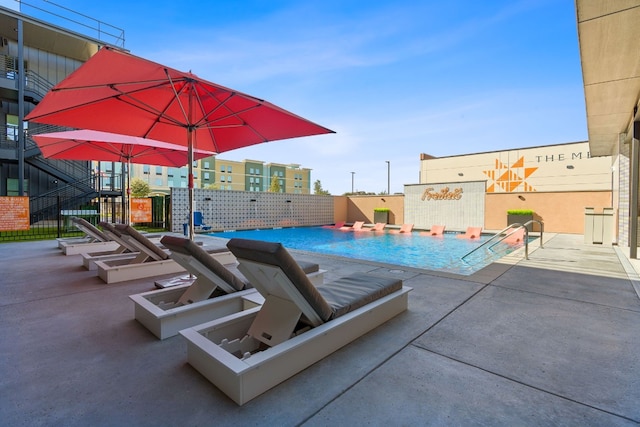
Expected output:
(160, 114)
(209, 113)
(231, 113)
(177, 97)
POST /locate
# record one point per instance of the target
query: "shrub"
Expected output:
(519, 212)
(381, 209)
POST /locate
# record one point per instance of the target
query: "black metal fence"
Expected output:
(50, 217)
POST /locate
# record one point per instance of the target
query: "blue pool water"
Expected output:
(432, 253)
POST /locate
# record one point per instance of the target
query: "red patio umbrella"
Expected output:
(104, 146)
(88, 145)
(115, 91)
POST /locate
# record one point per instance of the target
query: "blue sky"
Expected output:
(393, 78)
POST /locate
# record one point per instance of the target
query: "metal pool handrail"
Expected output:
(499, 237)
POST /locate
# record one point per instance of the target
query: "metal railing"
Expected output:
(501, 235)
(32, 81)
(54, 221)
(74, 21)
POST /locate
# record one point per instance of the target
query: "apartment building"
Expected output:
(221, 174)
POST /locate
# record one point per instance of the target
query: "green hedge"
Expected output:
(381, 209)
(519, 212)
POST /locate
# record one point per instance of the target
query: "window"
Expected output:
(257, 180)
(221, 178)
(206, 165)
(229, 168)
(206, 175)
(12, 127)
(222, 168)
(251, 171)
(229, 178)
(158, 170)
(158, 181)
(12, 187)
(146, 169)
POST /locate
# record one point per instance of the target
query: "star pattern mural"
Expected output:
(509, 178)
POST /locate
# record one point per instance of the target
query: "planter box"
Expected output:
(522, 219)
(381, 217)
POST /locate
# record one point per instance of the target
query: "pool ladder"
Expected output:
(500, 236)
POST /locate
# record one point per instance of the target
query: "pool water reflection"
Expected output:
(441, 253)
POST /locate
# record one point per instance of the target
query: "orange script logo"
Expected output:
(443, 194)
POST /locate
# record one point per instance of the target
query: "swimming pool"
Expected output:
(431, 253)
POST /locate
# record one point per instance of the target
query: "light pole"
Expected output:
(352, 175)
(388, 177)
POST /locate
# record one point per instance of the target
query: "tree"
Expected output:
(212, 186)
(139, 188)
(275, 184)
(317, 188)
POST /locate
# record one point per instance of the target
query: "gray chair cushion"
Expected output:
(275, 254)
(96, 232)
(110, 228)
(188, 247)
(329, 300)
(352, 292)
(126, 229)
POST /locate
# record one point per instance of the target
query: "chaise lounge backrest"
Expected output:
(273, 271)
(89, 229)
(141, 242)
(113, 234)
(217, 275)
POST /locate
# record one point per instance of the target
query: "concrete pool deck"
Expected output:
(553, 340)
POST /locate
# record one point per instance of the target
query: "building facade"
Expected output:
(220, 174)
(557, 182)
(34, 56)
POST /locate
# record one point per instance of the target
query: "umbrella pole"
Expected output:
(190, 159)
(128, 217)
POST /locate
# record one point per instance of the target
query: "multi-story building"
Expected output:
(34, 56)
(221, 174)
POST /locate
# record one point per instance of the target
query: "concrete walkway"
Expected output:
(554, 340)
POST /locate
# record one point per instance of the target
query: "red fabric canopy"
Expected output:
(117, 92)
(104, 146)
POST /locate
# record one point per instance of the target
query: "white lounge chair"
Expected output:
(247, 353)
(217, 291)
(94, 239)
(166, 311)
(150, 261)
(124, 251)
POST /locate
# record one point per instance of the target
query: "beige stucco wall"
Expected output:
(561, 212)
(340, 208)
(360, 208)
(562, 167)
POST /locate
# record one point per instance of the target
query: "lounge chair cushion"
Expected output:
(86, 225)
(275, 254)
(110, 228)
(352, 292)
(308, 267)
(330, 300)
(129, 230)
(189, 247)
